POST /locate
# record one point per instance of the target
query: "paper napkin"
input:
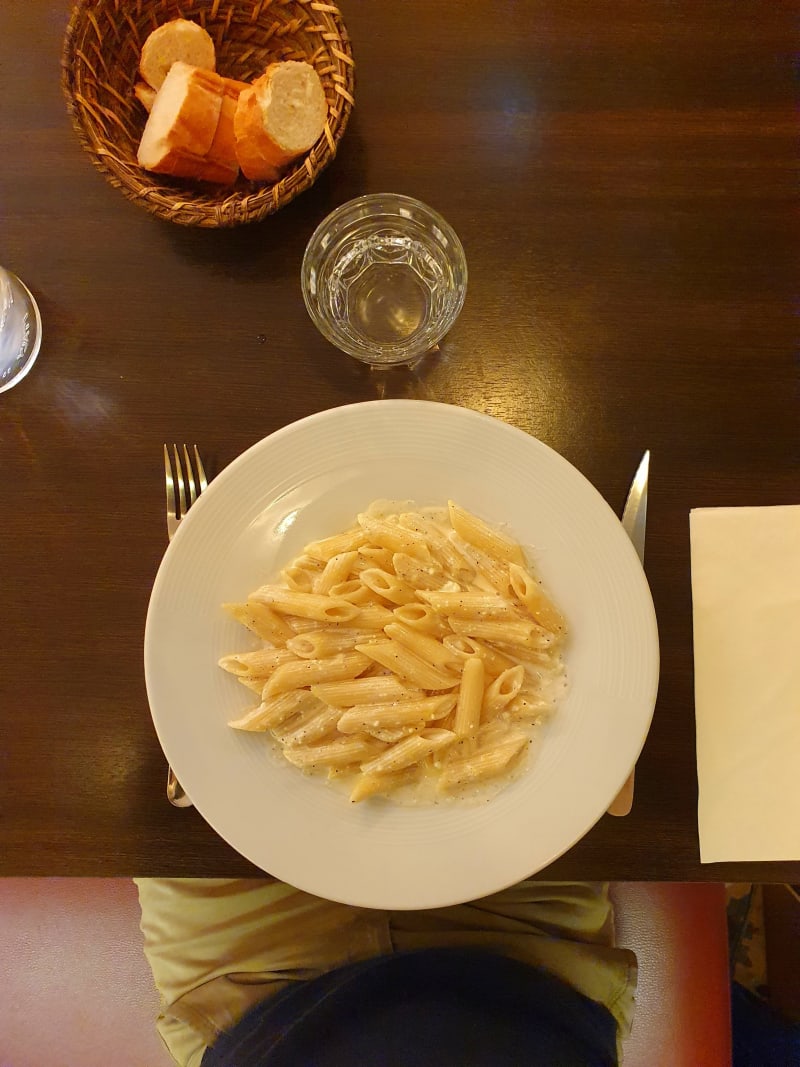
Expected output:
(746, 608)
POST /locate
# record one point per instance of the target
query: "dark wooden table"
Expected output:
(623, 180)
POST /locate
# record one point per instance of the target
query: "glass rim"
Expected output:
(392, 352)
(7, 280)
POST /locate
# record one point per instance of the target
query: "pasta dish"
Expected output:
(415, 649)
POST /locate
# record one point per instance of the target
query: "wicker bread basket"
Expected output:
(100, 67)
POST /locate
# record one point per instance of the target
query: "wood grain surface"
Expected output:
(623, 179)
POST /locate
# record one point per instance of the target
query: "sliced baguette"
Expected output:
(278, 118)
(182, 127)
(222, 152)
(145, 94)
(182, 164)
(178, 40)
(233, 87)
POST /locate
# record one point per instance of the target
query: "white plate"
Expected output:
(309, 480)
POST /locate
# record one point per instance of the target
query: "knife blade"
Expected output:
(634, 515)
(634, 523)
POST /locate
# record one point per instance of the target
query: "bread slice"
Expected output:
(222, 152)
(182, 127)
(178, 40)
(234, 87)
(281, 116)
(182, 164)
(145, 94)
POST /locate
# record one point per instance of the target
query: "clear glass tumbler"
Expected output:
(384, 278)
(20, 330)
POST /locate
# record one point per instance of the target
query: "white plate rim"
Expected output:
(425, 893)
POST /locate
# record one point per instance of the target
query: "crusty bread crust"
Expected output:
(205, 126)
(262, 147)
(258, 156)
(180, 134)
(145, 94)
(233, 87)
(173, 41)
(186, 165)
(223, 148)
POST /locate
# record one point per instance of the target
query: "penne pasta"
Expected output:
(370, 785)
(393, 537)
(377, 690)
(339, 753)
(372, 617)
(341, 772)
(251, 720)
(423, 645)
(528, 708)
(388, 586)
(478, 533)
(271, 713)
(489, 573)
(472, 605)
(373, 556)
(416, 573)
(516, 633)
(494, 662)
(259, 664)
(408, 665)
(421, 617)
(336, 570)
(255, 685)
(395, 714)
(306, 672)
(354, 591)
(302, 626)
(300, 579)
(441, 546)
(306, 605)
(482, 765)
(409, 752)
(320, 644)
(261, 620)
(391, 735)
(502, 691)
(470, 699)
(415, 648)
(349, 541)
(531, 594)
(309, 563)
(313, 726)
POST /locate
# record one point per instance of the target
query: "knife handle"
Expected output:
(623, 801)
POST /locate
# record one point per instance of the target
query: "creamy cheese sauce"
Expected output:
(547, 676)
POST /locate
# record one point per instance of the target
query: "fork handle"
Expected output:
(175, 792)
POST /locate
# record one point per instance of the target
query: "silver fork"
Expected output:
(188, 489)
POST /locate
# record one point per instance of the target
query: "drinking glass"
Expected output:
(20, 330)
(384, 278)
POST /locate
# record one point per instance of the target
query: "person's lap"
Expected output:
(217, 947)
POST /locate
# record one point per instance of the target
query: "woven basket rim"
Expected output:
(175, 200)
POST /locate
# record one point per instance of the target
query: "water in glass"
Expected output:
(384, 278)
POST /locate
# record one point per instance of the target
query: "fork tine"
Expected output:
(189, 476)
(179, 479)
(200, 472)
(170, 484)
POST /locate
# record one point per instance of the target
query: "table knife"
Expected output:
(634, 523)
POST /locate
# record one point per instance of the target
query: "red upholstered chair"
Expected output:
(77, 988)
(679, 934)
